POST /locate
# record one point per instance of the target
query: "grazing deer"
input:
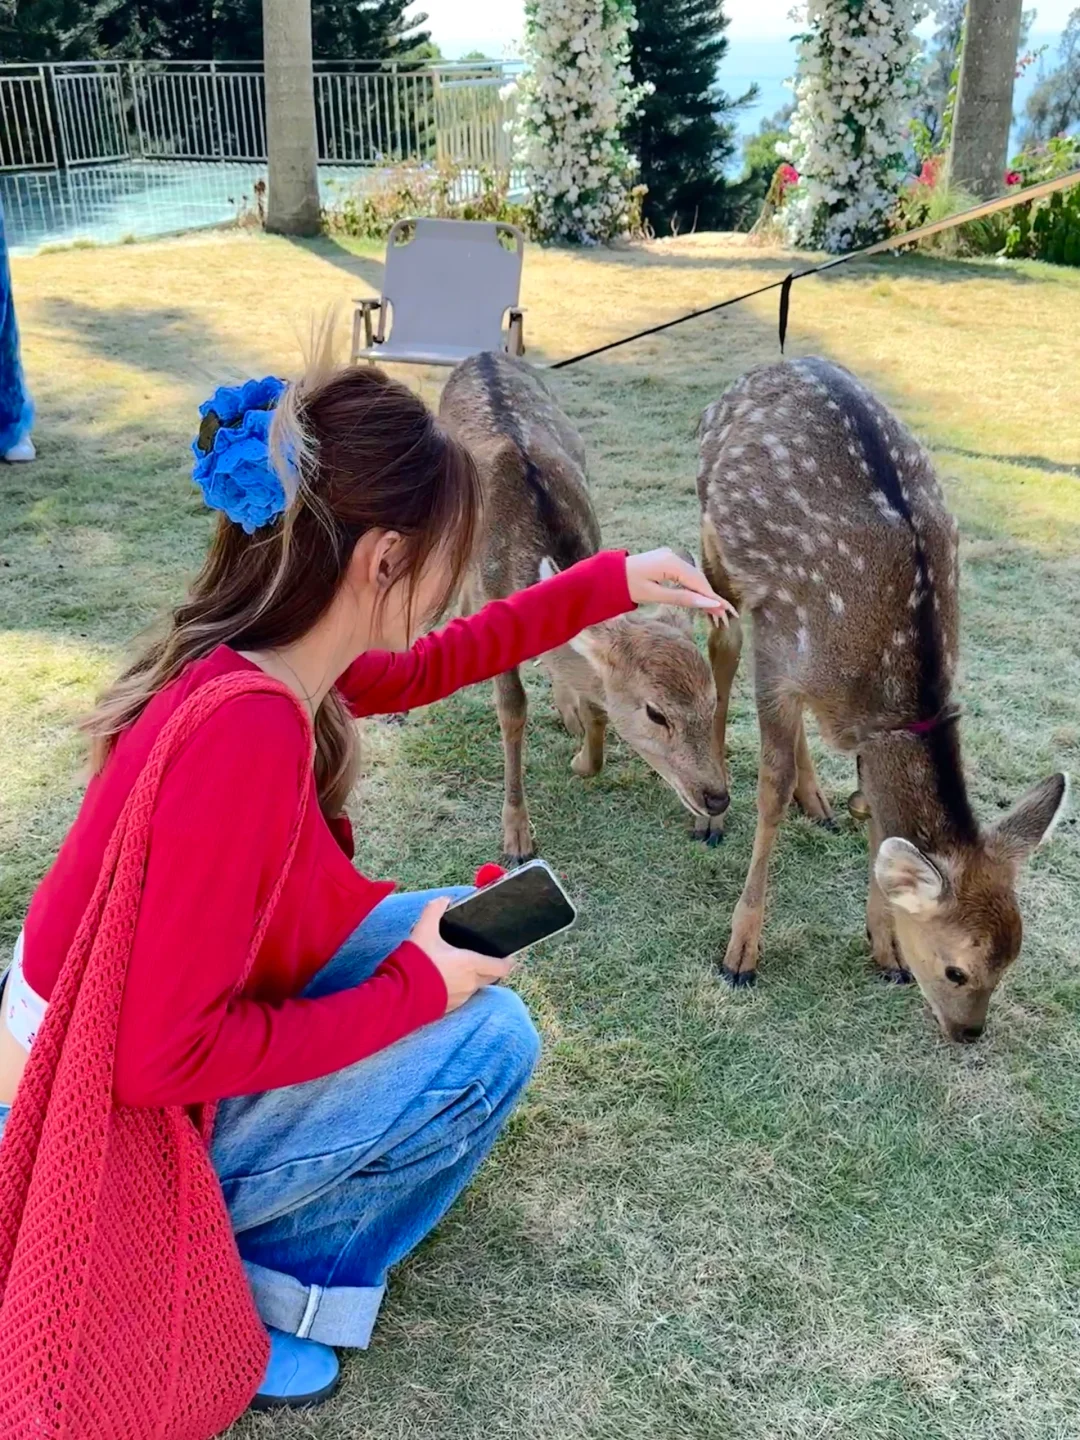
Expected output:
(822, 517)
(642, 673)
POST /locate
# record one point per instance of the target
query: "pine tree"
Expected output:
(214, 29)
(40, 30)
(683, 135)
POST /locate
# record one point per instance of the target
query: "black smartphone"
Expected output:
(523, 907)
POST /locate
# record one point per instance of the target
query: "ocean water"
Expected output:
(770, 63)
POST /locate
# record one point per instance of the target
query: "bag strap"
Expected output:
(98, 958)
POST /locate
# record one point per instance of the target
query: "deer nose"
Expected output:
(967, 1033)
(715, 801)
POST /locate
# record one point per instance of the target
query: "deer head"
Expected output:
(660, 698)
(955, 915)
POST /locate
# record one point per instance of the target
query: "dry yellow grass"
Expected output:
(795, 1215)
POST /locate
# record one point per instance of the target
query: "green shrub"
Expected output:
(1042, 230)
(369, 208)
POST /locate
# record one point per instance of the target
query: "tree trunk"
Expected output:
(979, 152)
(292, 205)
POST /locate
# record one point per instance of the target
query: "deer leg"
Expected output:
(879, 925)
(512, 706)
(776, 784)
(567, 705)
(725, 648)
(858, 805)
(808, 793)
(590, 758)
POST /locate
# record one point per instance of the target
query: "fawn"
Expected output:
(823, 518)
(642, 672)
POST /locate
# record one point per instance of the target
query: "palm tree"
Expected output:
(979, 150)
(292, 156)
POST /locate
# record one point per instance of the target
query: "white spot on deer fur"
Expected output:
(802, 640)
(851, 450)
(815, 576)
(736, 451)
(880, 500)
(801, 614)
(843, 547)
(913, 598)
(894, 454)
(824, 538)
(800, 571)
(785, 596)
(937, 604)
(757, 416)
(759, 497)
(789, 570)
(808, 463)
(898, 638)
(836, 601)
(860, 563)
(832, 405)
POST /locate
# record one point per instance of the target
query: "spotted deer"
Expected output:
(641, 673)
(823, 520)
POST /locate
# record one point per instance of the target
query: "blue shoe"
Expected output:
(300, 1373)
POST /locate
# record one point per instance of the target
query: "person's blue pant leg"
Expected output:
(329, 1184)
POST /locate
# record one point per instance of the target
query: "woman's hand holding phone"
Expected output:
(463, 971)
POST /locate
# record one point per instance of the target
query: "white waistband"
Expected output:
(24, 1009)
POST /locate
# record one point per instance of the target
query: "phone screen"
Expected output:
(505, 917)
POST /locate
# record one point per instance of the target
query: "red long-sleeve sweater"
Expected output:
(218, 839)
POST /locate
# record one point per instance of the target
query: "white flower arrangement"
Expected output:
(574, 100)
(856, 75)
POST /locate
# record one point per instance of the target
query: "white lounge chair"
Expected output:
(448, 291)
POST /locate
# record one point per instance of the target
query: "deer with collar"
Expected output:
(823, 520)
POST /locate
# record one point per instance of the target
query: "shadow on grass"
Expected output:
(367, 268)
(1027, 462)
(173, 341)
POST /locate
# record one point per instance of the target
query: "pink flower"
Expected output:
(788, 176)
(928, 175)
(1013, 177)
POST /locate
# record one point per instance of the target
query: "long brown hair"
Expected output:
(363, 453)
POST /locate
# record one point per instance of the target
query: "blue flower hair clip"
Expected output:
(232, 453)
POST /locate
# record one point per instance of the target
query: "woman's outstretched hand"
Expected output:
(463, 971)
(661, 577)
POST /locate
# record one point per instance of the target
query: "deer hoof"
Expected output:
(512, 861)
(709, 829)
(858, 806)
(739, 979)
(827, 823)
(896, 976)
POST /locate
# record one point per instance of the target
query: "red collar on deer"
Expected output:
(945, 716)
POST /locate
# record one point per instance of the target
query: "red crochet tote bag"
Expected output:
(124, 1310)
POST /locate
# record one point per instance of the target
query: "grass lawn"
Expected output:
(793, 1214)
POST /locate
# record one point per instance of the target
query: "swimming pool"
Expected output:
(135, 199)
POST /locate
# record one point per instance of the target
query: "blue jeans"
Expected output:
(329, 1184)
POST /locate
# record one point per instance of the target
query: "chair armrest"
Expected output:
(365, 308)
(515, 339)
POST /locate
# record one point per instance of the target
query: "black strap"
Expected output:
(785, 305)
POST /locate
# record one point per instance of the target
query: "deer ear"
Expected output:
(595, 644)
(907, 878)
(1032, 820)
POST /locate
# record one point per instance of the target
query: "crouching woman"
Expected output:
(245, 1080)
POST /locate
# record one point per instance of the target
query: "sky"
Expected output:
(493, 26)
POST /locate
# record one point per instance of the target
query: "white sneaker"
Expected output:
(24, 450)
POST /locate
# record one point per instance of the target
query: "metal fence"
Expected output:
(367, 113)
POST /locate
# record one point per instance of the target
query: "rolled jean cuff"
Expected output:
(342, 1315)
